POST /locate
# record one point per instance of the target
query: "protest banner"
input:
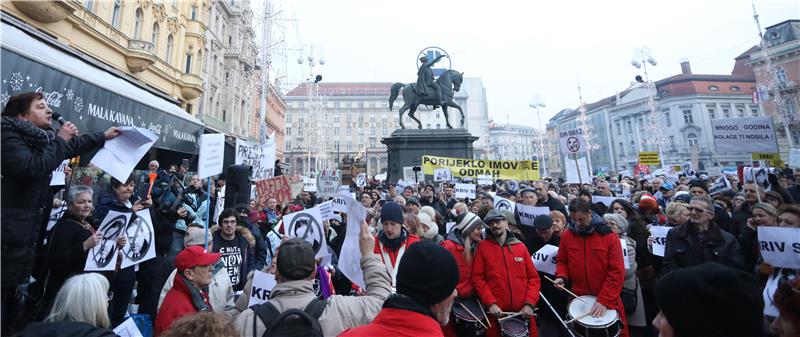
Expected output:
(59, 178)
(120, 154)
(350, 258)
(605, 200)
(780, 246)
(262, 288)
(746, 134)
(141, 239)
(464, 191)
(103, 256)
(472, 168)
(659, 234)
(255, 155)
(572, 141)
(772, 159)
(625, 253)
(794, 158)
(309, 184)
(277, 187)
(545, 259)
(527, 213)
(212, 154)
(307, 225)
(649, 158)
(503, 204)
(442, 174)
(328, 182)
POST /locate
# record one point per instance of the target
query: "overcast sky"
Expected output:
(521, 49)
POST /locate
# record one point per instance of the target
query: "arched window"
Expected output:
(137, 24)
(692, 138)
(115, 13)
(170, 45)
(154, 37)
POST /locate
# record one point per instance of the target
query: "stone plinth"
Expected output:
(406, 147)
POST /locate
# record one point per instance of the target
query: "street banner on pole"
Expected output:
(212, 149)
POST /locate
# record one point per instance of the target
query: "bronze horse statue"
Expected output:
(449, 83)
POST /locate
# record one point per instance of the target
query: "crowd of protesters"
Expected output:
(425, 254)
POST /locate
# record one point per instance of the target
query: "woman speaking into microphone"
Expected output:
(31, 150)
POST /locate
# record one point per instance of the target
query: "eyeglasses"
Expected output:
(228, 222)
(699, 210)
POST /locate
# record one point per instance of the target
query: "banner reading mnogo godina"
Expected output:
(472, 168)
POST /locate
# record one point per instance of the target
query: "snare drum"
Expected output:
(607, 325)
(465, 324)
(514, 327)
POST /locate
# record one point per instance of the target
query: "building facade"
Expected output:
(513, 142)
(229, 67)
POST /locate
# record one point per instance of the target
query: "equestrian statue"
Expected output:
(428, 91)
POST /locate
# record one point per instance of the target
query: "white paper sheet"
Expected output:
(350, 257)
(59, 178)
(660, 235)
(545, 259)
(120, 155)
(128, 328)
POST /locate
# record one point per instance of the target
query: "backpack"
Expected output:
(292, 322)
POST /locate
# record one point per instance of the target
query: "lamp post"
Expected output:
(641, 57)
(316, 140)
(536, 104)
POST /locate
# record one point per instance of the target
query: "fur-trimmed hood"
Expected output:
(240, 230)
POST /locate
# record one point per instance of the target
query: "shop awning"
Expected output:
(92, 98)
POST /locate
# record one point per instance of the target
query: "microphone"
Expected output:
(57, 116)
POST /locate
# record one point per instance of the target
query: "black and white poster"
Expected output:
(103, 256)
(307, 225)
(141, 240)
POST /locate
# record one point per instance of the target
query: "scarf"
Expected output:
(393, 244)
(33, 135)
(199, 298)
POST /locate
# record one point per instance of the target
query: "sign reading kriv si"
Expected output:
(780, 246)
(572, 141)
(649, 158)
(262, 288)
(472, 168)
(659, 234)
(545, 259)
(748, 134)
(465, 191)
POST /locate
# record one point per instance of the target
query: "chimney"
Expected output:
(686, 69)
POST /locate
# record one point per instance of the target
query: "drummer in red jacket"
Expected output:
(393, 240)
(590, 258)
(462, 242)
(503, 274)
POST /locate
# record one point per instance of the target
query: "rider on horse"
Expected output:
(425, 80)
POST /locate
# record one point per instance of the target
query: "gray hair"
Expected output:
(154, 162)
(707, 200)
(82, 298)
(76, 190)
(618, 219)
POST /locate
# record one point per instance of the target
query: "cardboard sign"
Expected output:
(141, 239)
(59, 178)
(212, 154)
(545, 259)
(262, 288)
(464, 191)
(649, 158)
(780, 246)
(487, 179)
(527, 213)
(625, 253)
(442, 174)
(255, 155)
(659, 233)
(572, 141)
(503, 204)
(277, 187)
(339, 204)
(748, 134)
(326, 210)
(605, 200)
(307, 225)
(309, 184)
(328, 183)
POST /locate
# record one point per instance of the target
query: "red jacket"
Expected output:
(594, 265)
(464, 286)
(505, 275)
(389, 322)
(393, 254)
(177, 303)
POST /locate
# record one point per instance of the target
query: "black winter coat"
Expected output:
(26, 172)
(685, 249)
(65, 253)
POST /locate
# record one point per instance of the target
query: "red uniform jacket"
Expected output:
(505, 275)
(464, 286)
(398, 323)
(177, 303)
(393, 254)
(594, 265)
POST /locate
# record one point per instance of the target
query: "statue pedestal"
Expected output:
(406, 147)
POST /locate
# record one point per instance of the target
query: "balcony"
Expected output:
(46, 11)
(191, 86)
(140, 55)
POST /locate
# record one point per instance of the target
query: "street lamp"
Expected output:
(536, 104)
(317, 139)
(641, 57)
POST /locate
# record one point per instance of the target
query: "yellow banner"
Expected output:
(766, 156)
(649, 158)
(472, 168)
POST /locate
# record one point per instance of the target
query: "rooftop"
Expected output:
(345, 89)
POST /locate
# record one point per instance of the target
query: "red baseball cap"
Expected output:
(194, 256)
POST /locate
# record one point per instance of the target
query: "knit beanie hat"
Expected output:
(691, 299)
(698, 183)
(391, 211)
(648, 203)
(467, 222)
(427, 273)
(619, 219)
(429, 211)
(433, 229)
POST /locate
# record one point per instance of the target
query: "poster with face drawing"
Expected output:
(141, 240)
(103, 255)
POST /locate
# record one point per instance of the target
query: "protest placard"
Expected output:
(464, 191)
(59, 178)
(127, 328)
(472, 168)
(545, 259)
(605, 200)
(103, 256)
(442, 174)
(255, 155)
(326, 210)
(309, 184)
(212, 154)
(527, 213)
(746, 134)
(485, 179)
(277, 187)
(55, 214)
(328, 183)
(141, 239)
(120, 154)
(262, 288)
(361, 179)
(625, 253)
(350, 258)
(780, 246)
(339, 204)
(307, 225)
(659, 234)
(503, 204)
(649, 158)
(572, 141)
(794, 158)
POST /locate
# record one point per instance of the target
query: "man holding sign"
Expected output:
(700, 240)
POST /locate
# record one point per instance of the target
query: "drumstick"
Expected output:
(484, 316)
(507, 317)
(473, 315)
(577, 318)
(567, 290)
